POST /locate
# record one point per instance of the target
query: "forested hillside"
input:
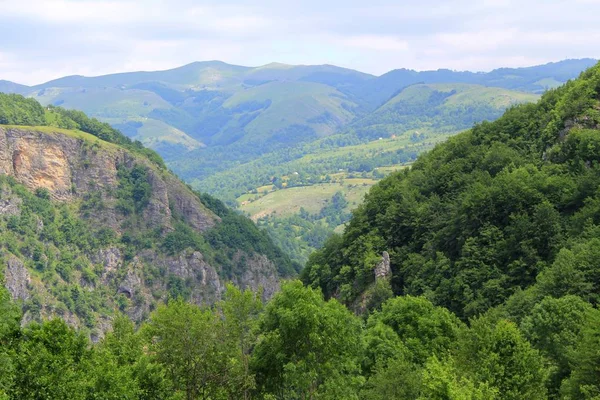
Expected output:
(256, 137)
(499, 226)
(92, 224)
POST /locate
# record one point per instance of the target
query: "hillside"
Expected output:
(234, 131)
(493, 210)
(212, 102)
(497, 224)
(92, 226)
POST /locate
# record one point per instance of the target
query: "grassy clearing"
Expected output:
(286, 202)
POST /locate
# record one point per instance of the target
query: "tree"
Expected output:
(308, 348)
(555, 327)
(423, 328)
(497, 353)
(441, 381)
(10, 317)
(395, 378)
(241, 311)
(583, 384)
(191, 344)
(48, 363)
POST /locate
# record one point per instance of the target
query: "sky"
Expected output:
(45, 39)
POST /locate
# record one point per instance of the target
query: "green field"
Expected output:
(285, 202)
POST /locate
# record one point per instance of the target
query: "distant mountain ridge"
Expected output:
(208, 117)
(186, 74)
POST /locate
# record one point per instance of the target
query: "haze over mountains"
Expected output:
(216, 104)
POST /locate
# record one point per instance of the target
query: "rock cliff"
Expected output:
(73, 173)
(73, 167)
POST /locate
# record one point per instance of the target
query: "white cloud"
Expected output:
(44, 39)
(376, 42)
(64, 11)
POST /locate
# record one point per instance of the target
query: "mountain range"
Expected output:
(216, 104)
(243, 134)
(474, 274)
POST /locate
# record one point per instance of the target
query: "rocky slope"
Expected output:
(86, 219)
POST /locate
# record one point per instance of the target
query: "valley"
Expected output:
(405, 205)
(301, 133)
(468, 252)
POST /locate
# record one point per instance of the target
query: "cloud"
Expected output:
(45, 39)
(376, 42)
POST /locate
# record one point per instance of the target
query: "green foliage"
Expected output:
(424, 329)
(486, 212)
(307, 347)
(18, 110)
(555, 327)
(583, 382)
(238, 232)
(134, 189)
(498, 354)
(442, 381)
(191, 344)
(48, 363)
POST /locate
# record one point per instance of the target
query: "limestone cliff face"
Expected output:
(73, 167)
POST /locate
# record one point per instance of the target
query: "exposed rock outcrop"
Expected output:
(383, 269)
(74, 167)
(17, 279)
(260, 273)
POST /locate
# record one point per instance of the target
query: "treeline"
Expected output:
(18, 110)
(299, 346)
(271, 169)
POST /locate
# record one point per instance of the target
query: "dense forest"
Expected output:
(300, 346)
(498, 225)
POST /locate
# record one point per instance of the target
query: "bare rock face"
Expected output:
(383, 269)
(71, 167)
(192, 266)
(260, 274)
(17, 279)
(74, 168)
(110, 258)
(9, 203)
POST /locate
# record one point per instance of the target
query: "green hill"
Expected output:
(92, 224)
(490, 212)
(230, 130)
(495, 224)
(196, 98)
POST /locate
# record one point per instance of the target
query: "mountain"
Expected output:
(534, 79)
(217, 104)
(93, 223)
(244, 133)
(499, 224)
(492, 211)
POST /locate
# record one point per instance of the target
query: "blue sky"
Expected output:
(45, 39)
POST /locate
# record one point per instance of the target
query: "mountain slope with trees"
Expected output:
(490, 211)
(92, 224)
